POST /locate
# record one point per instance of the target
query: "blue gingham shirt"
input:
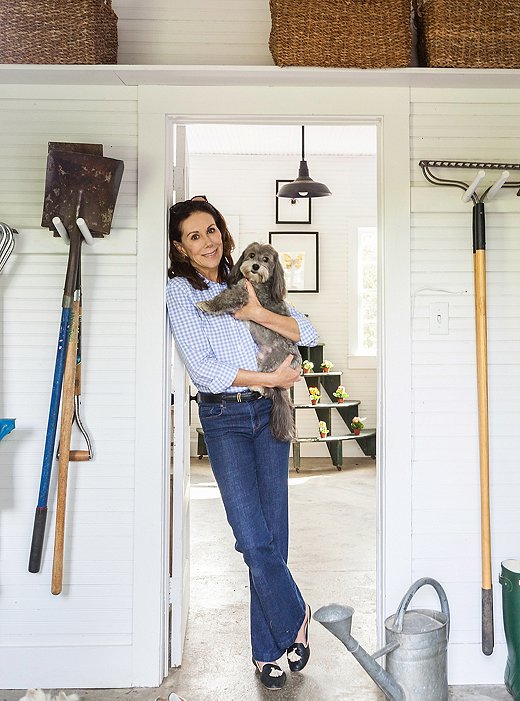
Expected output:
(215, 347)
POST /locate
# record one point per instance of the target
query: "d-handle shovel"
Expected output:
(67, 413)
(88, 454)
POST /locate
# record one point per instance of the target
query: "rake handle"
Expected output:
(479, 261)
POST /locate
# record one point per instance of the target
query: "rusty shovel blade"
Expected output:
(81, 185)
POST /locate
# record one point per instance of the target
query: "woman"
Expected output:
(249, 464)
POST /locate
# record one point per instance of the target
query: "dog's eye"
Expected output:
(251, 255)
(266, 260)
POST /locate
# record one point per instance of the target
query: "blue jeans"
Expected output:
(251, 470)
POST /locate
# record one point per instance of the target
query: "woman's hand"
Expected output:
(285, 376)
(253, 308)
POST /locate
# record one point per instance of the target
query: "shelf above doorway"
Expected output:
(22, 74)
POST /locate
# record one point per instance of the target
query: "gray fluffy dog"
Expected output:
(260, 265)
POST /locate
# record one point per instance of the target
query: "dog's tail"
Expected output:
(282, 419)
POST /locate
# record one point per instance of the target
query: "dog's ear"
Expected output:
(278, 286)
(235, 275)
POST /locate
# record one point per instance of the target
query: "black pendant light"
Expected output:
(304, 185)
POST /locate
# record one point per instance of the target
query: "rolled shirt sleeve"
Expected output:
(308, 334)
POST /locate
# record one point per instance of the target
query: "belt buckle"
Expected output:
(239, 397)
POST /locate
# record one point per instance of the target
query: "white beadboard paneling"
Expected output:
(202, 32)
(95, 611)
(471, 125)
(27, 126)
(249, 192)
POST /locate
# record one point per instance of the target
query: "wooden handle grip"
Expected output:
(79, 456)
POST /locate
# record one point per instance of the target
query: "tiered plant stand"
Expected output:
(328, 381)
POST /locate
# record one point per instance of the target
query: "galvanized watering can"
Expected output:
(416, 647)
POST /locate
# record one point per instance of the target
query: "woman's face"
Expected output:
(201, 242)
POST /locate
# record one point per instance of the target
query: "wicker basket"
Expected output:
(58, 31)
(471, 34)
(341, 33)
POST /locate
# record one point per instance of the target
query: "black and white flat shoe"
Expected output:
(271, 675)
(298, 654)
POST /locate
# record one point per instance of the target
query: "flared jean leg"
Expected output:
(272, 459)
(251, 467)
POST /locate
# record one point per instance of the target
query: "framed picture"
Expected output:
(298, 252)
(288, 211)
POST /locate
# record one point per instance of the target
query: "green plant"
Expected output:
(358, 422)
(340, 392)
(323, 428)
(327, 364)
(308, 365)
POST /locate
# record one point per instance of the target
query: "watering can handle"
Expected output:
(399, 614)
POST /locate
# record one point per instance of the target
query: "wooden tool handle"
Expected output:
(483, 432)
(67, 413)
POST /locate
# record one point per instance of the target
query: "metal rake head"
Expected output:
(6, 243)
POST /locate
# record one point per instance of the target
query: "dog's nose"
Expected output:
(255, 267)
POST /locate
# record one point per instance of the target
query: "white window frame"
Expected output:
(357, 360)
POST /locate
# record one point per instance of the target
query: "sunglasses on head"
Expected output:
(196, 198)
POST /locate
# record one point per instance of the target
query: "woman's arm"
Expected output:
(284, 376)
(296, 328)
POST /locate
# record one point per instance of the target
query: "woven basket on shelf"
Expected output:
(471, 34)
(58, 31)
(341, 33)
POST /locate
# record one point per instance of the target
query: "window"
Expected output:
(363, 298)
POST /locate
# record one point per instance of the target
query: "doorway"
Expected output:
(239, 168)
(246, 98)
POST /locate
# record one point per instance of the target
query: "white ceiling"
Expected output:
(282, 139)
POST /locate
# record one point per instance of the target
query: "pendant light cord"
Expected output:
(303, 143)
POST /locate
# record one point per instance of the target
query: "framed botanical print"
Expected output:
(299, 256)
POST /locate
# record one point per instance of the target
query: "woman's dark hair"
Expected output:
(180, 266)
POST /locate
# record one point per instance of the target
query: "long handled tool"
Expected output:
(80, 183)
(40, 517)
(67, 415)
(479, 268)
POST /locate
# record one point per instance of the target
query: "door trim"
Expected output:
(159, 107)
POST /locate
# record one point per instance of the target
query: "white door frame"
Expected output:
(159, 106)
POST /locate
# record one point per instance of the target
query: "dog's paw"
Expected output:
(204, 306)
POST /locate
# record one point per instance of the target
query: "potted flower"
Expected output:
(340, 393)
(357, 424)
(307, 366)
(326, 366)
(323, 429)
(314, 395)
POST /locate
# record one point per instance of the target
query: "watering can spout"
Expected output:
(338, 620)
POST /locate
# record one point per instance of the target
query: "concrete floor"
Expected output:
(332, 558)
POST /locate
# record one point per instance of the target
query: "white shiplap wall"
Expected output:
(201, 32)
(245, 188)
(465, 125)
(68, 636)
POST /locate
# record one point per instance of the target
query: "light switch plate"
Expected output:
(439, 318)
